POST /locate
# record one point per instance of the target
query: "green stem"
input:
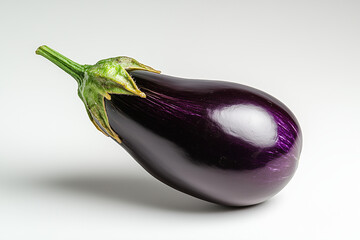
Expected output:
(74, 69)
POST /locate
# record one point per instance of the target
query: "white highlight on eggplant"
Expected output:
(249, 122)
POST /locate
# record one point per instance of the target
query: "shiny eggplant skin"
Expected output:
(219, 141)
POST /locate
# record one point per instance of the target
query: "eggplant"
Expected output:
(219, 141)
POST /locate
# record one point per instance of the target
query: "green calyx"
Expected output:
(97, 82)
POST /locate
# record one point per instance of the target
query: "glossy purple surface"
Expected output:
(218, 141)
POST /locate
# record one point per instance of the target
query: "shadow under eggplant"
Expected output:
(134, 190)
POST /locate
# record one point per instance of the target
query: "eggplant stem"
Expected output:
(99, 81)
(74, 69)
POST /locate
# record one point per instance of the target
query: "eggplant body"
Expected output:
(219, 141)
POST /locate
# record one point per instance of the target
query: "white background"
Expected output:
(62, 179)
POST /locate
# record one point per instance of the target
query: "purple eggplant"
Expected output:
(219, 141)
